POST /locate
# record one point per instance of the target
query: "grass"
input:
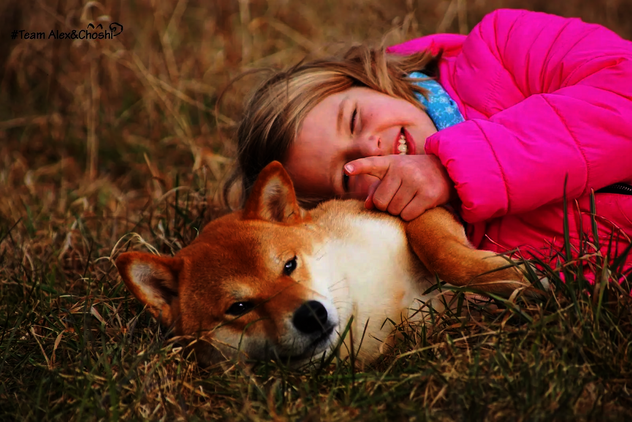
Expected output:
(112, 145)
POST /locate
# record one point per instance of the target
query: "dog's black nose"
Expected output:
(311, 317)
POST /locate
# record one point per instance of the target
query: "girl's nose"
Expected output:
(370, 146)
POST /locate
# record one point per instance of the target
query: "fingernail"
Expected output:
(349, 168)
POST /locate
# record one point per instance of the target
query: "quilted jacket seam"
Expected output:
(500, 168)
(577, 143)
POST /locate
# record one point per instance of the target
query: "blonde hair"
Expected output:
(273, 115)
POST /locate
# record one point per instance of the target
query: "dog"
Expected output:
(275, 281)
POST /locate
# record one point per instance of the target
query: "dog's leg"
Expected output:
(440, 242)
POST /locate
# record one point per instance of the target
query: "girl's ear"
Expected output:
(154, 281)
(273, 198)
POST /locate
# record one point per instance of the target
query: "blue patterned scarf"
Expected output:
(441, 109)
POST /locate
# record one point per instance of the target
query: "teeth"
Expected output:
(402, 147)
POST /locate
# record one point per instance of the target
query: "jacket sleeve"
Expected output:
(558, 105)
(447, 44)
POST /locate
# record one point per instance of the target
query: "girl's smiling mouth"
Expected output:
(404, 144)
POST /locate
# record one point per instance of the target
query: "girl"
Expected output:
(523, 103)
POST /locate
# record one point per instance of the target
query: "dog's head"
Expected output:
(244, 285)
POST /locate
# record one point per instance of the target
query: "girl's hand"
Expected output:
(408, 185)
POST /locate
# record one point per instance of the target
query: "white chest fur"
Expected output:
(370, 273)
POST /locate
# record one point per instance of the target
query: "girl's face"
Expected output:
(352, 124)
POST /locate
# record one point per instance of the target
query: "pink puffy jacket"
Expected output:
(544, 98)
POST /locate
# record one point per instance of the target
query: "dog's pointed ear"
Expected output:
(154, 281)
(273, 198)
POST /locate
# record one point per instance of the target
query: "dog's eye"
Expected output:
(290, 266)
(240, 308)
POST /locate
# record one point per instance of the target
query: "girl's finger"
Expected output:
(385, 192)
(368, 203)
(401, 200)
(375, 166)
(414, 209)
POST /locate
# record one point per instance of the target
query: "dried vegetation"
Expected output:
(108, 145)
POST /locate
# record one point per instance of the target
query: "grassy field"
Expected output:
(113, 145)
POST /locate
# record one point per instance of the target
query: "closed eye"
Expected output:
(345, 182)
(352, 123)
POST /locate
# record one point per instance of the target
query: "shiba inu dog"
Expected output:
(274, 281)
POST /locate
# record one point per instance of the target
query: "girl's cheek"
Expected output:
(360, 185)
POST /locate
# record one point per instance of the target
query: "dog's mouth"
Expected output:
(323, 338)
(313, 349)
